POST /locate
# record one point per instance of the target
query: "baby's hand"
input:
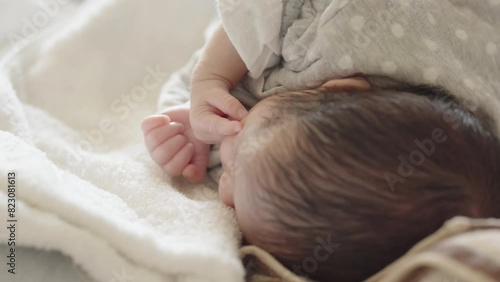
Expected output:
(214, 113)
(173, 146)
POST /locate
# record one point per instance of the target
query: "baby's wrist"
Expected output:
(211, 82)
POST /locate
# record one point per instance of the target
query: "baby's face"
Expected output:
(235, 152)
(231, 154)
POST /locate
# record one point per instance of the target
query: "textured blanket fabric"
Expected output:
(72, 100)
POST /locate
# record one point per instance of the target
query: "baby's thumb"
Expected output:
(230, 106)
(221, 127)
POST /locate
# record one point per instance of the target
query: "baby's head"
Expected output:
(338, 185)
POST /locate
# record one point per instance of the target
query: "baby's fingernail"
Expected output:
(237, 128)
(180, 125)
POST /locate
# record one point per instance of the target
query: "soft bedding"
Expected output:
(72, 102)
(92, 206)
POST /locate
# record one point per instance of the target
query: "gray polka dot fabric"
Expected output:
(293, 44)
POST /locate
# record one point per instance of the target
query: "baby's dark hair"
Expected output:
(355, 179)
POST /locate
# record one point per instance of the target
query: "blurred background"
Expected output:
(99, 54)
(16, 15)
(27, 19)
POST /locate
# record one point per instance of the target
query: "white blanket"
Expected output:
(72, 100)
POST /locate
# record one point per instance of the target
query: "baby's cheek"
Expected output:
(226, 191)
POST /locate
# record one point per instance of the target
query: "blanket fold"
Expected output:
(72, 102)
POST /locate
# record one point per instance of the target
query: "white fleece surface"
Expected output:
(72, 100)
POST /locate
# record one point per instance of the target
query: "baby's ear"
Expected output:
(346, 84)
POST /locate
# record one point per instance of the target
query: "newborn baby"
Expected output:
(363, 175)
(338, 185)
(345, 173)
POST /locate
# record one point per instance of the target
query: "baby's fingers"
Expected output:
(163, 153)
(228, 105)
(178, 163)
(222, 126)
(196, 170)
(153, 122)
(161, 134)
(211, 128)
(194, 173)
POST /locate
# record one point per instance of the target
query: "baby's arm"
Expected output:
(177, 138)
(214, 112)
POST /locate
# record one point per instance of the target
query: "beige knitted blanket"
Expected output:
(465, 250)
